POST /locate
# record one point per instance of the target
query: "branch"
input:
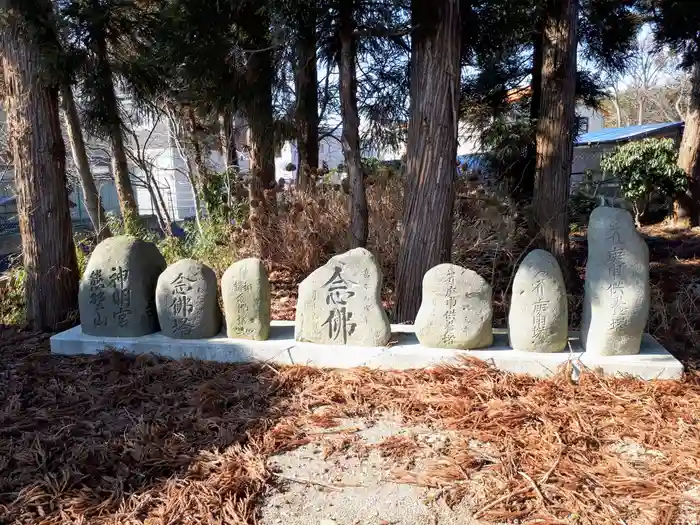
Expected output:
(326, 95)
(330, 133)
(365, 31)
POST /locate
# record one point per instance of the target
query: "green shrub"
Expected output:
(646, 167)
(12, 304)
(580, 208)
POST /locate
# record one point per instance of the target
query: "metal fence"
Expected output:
(593, 184)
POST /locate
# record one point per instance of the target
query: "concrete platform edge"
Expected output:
(404, 352)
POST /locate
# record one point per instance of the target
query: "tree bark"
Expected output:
(618, 111)
(120, 165)
(359, 221)
(688, 205)
(203, 178)
(258, 105)
(426, 237)
(306, 79)
(38, 155)
(229, 139)
(77, 145)
(555, 130)
(524, 188)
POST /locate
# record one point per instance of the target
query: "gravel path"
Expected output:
(345, 478)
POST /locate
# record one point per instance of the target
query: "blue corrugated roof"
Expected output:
(608, 135)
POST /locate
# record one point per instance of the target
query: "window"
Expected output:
(582, 123)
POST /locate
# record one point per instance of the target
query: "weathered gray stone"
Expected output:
(117, 291)
(616, 301)
(456, 309)
(340, 303)
(186, 301)
(245, 290)
(538, 318)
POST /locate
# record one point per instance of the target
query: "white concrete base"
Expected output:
(403, 352)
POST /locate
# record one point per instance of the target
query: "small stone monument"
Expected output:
(117, 291)
(456, 309)
(186, 301)
(245, 290)
(538, 318)
(616, 301)
(340, 303)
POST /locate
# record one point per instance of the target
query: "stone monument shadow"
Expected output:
(404, 335)
(116, 429)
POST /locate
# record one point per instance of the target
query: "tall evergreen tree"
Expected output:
(29, 48)
(676, 24)
(426, 237)
(555, 132)
(97, 47)
(306, 115)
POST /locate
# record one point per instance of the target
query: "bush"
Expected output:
(646, 167)
(12, 305)
(580, 208)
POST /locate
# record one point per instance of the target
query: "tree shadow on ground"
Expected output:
(115, 438)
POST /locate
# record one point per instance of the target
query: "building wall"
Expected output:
(330, 151)
(594, 119)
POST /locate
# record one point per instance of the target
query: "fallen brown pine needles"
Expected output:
(116, 439)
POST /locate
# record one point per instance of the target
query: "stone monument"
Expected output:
(456, 309)
(340, 303)
(186, 301)
(616, 300)
(117, 290)
(538, 318)
(245, 290)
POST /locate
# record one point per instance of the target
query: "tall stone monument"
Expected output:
(117, 291)
(186, 301)
(538, 318)
(616, 301)
(456, 310)
(245, 290)
(340, 303)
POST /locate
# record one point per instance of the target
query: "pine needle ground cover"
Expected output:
(116, 439)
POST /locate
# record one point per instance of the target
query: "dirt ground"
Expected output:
(113, 439)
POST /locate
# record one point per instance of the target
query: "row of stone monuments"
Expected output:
(128, 291)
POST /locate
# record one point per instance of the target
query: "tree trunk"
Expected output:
(689, 154)
(166, 214)
(229, 139)
(524, 189)
(260, 76)
(306, 79)
(640, 110)
(359, 226)
(203, 179)
(555, 130)
(426, 237)
(87, 182)
(38, 156)
(618, 111)
(160, 217)
(120, 165)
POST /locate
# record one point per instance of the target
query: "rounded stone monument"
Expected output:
(538, 318)
(186, 301)
(456, 310)
(245, 291)
(117, 290)
(340, 303)
(616, 299)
